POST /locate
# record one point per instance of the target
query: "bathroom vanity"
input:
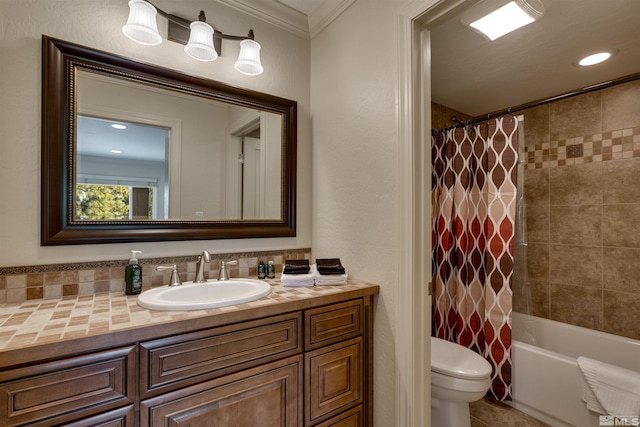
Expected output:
(298, 357)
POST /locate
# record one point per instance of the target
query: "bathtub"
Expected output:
(545, 376)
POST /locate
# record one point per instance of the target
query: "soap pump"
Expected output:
(133, 275)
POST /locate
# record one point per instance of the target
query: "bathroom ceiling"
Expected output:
(476, 76)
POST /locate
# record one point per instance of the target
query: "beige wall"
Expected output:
(583, 209)
(356, 168)
(97, 24)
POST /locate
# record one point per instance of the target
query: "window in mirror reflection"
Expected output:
(122, 170)
(95, 202)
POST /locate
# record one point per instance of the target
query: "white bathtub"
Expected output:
(546, 379)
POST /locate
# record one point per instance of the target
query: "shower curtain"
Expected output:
(474, 207)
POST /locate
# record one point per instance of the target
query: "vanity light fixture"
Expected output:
(510, 17)
(202, 42)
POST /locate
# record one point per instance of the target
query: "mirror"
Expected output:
(134, 152)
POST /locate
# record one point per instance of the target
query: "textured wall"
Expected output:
(97, 24)
(356, 168)
(582, 186)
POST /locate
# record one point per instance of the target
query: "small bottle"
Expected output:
(271, 270)
(133, 275)
(261, 270)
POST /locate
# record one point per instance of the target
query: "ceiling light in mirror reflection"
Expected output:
(594, 59)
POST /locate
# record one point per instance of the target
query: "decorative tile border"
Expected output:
(614, 145)
(54, 281)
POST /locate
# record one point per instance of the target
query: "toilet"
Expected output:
(459, 376)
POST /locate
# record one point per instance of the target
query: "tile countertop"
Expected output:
(111, 319)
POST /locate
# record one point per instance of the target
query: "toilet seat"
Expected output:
(454, 360)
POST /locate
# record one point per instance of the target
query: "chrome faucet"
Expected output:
(224, 275)
(205, 257)
(175, 279)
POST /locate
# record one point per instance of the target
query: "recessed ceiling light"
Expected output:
(116, 151)
(508, 18)
(596, 58)
(118, 126)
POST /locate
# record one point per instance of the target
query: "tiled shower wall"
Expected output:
(582, 186)
(19, 284)
(442, 117)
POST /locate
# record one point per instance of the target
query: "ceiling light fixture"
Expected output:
(118, 126)
(201, 41)
(594, 59)
(510, 17)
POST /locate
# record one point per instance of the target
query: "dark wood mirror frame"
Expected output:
(59, 62)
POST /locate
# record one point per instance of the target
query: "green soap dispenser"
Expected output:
(133, 275)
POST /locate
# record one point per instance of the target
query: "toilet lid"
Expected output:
(455, 360)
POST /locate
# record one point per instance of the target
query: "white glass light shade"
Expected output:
(200, 44)
(141, 27)
(249, 58)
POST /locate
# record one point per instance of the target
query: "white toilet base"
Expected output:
(449, 414)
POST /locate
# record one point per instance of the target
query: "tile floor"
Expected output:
(491, 413)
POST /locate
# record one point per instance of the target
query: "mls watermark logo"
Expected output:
(610, 420)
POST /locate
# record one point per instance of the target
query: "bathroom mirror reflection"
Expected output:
(149, 153)
(134, 152)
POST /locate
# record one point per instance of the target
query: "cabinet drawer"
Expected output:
(264, 396)
(174, 362)
(333, 323)
(68, 389)
(334, 380)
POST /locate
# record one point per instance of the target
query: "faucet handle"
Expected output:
(175, 279)
(224, 275)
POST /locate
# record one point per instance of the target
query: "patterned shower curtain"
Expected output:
(474, 208)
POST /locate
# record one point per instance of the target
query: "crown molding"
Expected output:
(284, 17)
(326, 13)
(275, 13)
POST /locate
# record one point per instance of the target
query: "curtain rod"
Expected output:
(521, 107)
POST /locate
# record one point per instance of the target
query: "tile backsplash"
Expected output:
(19, 284)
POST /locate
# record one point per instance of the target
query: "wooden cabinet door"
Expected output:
(351, 418)
(265, 396)
(334, 380)
(123, 417)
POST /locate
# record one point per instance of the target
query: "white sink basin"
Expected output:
(199, 296)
